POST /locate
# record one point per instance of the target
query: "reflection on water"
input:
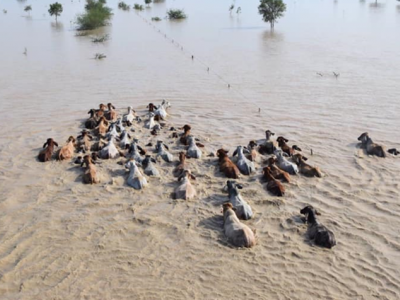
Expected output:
(57, 26)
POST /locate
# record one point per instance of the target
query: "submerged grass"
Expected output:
(176, 14)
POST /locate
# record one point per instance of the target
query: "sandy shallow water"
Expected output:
(60, 239)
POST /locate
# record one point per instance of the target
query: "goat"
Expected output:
(185, 190)
(370, 146)
(252, 148)
(112, 132)
(305, 168)
(130, 116)
(102, 127)
(111, 114)
(101, 111)
(47, 153)
(237, 233)
(277, 172)
(226, 165)
(181, 167)
(185, 134)
(284, 164)
(162, 150)
(135, 177)
(269, 146)
(67, 150)
(84, 140)
(124, 140)
(285, 148)
(193, 151)
(135, 151)
(91, 123)
(274, 186)
(120, 126)
(148, 168)
(150, 123)
(242, 208)
(321, 235)
(109, 151)
(246, 167)
(90, 175)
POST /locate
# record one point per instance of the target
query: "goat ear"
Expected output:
(192, 176)
(44, 145)
(55, 143)
(286, 140)
(245, 150)
(317, 212)
(180, 177)
(153, 160)
(129, 136)
(239, 186)
(90, 137)
(304, 158)
(234, 208)
(166, 146)
(82, 163)
(113, 106)
(234, 152)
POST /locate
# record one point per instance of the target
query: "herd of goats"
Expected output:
(112, 140)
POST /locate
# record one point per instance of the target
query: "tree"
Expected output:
(271, 10)
(96, 15)
(55, 9)
(147, 2)
(176, 14)
(28, 9)
(231, 8)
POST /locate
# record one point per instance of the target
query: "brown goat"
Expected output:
(90, 175)
(46, 154)
(371, 147)
(285, 148)
(111, 114)
(252, 148)
(102, 128)
(277, 172)
(226, 165)
(273, 185)
(151, 107)
(67, 150)
(305, 168)
(101, 111)
(84, 140)
(185, 134)
(178, 171)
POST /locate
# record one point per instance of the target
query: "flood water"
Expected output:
(60, 239)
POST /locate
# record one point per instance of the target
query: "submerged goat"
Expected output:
(237, 233)
(135, 177)
(193, 151)
(162, 150)
(243, 209)
(305, 168)
(246, 167)
(185, 190)
(370, 146)
(47, 153)
(321, 235)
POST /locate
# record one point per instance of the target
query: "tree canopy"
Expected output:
(55, 9)
(271, 10)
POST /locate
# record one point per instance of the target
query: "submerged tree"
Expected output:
(176, 14)
(28, 9)
(148, 2)
(55, 9)
(122, 5)
(239, 10)
(231, 8)
(271, 10)
(138, 6)
(96, 15)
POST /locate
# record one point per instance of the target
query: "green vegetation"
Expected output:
(138, 6)
(148, 2)
(176, 14)
(157, 19)
(55, 9)
(231, 8)
(100, 39)
(239, 10)
(96, 15)
(99, 56)
(28, 9)
(271, 10)
(122, 5)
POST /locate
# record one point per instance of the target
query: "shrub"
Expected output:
(176, 14)
(96, 15)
